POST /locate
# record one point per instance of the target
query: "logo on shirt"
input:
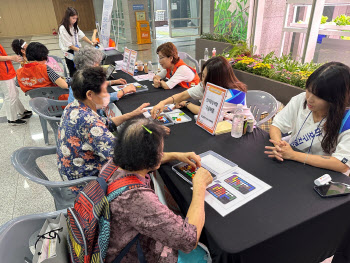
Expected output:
(344, 161)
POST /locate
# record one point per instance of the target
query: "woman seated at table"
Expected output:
(88, 57)
(218, 71)
(164, 236)
(36, 74)
(319, 121)
(177, 72)
(85, 139)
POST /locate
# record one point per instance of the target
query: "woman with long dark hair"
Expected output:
(319, 121)
(69, 37)
(19, 46)
(218, 71)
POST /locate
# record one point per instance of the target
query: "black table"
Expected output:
(288, 223)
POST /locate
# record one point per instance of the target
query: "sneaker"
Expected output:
(16, 122)
(28, 112)
(23, 116)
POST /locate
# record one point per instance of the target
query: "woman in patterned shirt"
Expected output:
(164, 236)
(85, 140)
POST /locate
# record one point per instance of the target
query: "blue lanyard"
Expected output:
(315, 134)
(76, 38)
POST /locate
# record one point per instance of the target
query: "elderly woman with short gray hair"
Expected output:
(88, 57)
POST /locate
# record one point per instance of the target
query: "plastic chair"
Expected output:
(48, 110)
(184, 55)
(60, 60)
(260, 102)
(47, 92)
(15, 236)
(24, 161)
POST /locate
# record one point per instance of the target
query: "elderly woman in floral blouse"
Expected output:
(139, 150)
(85, 140)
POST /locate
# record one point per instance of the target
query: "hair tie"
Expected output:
(150, 132)
(23, 44)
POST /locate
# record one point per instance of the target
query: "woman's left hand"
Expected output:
(190, 158)
(282, 150)
(180, 105)
(119, 81)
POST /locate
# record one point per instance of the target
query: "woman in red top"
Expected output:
(174, 69)
(13, 106)
(36, 74)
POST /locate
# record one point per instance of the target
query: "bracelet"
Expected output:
(122, 90)
(173, 99)
(187, 103)
(110, 83)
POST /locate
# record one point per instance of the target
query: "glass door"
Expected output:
(184, 18)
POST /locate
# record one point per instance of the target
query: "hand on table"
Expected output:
(157, 109)
(190, 158)
(166, 129)
(140, 110)
(119, 81)
(180, 105)
(202, 178)
(129, 89)
(156, 81)
(281, 150)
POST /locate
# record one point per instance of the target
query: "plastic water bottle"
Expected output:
(206, 54)
(213, 52)
(150, 71)
(237, 122)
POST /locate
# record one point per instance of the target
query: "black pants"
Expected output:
(70, 65)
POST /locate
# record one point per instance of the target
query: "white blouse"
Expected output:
(306, 134)
(66, 40)
(183, 73)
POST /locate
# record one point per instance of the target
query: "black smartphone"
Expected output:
(332, 189)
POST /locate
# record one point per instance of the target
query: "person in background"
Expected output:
(218, 71)
(177, 72)
(91, 57)
(36, 74)
(19, 46)
(164, 236)
(85, 141)
(111, 43)
(69, 37)
(13, 106)
(319, 120)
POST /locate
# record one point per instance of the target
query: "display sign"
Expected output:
(125, 64)
(212, 103)
(106, 22)
(132, 62)
(138, 7)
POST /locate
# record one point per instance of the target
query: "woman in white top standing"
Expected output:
(319, 121)
(69, 37)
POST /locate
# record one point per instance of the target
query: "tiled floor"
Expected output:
(18, 195)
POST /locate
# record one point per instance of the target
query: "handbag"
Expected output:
(51, 245)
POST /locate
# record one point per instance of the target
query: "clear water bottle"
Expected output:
(150, 71)
(206, 54)
(237, 122)
(213, 52)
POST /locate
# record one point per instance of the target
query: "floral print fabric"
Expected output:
(139, 210)
(85, 142)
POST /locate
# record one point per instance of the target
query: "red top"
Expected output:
(33, 75)
(184, 84)
(7, 70)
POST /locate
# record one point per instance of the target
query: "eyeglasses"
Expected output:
(160, 58)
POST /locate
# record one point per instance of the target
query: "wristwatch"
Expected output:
(188, 102)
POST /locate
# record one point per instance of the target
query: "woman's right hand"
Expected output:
(156, 81)
(17, 59)
(202, 178)
(158, 109)
(140, 110)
